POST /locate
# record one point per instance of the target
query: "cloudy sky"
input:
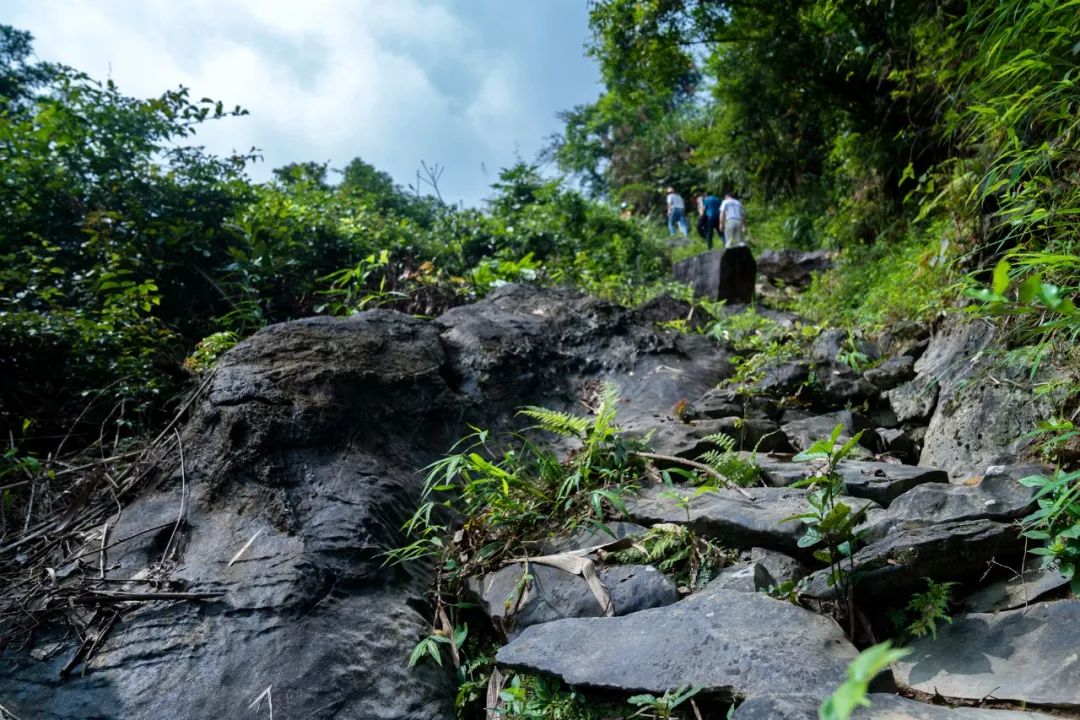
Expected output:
(469, 84)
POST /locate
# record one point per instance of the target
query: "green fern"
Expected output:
(676, 551)
(929, 608)
(727, 462)
(561, 423)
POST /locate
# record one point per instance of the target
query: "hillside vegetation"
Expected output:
(924, 142)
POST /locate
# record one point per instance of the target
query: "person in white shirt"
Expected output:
(676, 213)
(733, 221)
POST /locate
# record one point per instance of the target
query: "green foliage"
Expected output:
(524, 493)
(927, 608)
(831, 523)
(1046, 307)
(677, 551)
(851, 694)
(759, 342)
(209, 349)
(528, 697)
(872, 286)
(1056, 522)
(663, 707)
(726, 461)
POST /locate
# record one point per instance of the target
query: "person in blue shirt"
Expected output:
(711, 207)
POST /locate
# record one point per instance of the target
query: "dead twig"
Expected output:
(183, 499)
(92, 597)
(712, 472)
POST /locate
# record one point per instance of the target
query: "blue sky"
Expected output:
(469, 84)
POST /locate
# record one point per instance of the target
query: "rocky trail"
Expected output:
(300, 463)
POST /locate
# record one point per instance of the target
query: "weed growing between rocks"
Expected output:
(675, 550)
(1056, 523)
(925, 610)
(832, 523)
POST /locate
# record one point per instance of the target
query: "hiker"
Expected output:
(710, 207)
(676, 213)
(733, 221)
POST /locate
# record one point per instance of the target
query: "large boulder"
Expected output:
(727, 275)
(987, 420)
(305, 453)
(729, 643)
(305, 446)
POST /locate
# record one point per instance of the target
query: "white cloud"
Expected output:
(394, 82)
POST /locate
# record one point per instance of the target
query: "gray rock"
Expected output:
(1017, 591)
(299, 442)
(1024, 656)
(885, 482)
(827, 345)
(664, 308)
(878, 481)
(997, 496)
(782, 380)
(947, 361)
(986, 420)
(671, 436)
(720, 275)
(592, 536)
(553, 594)
(893, 568)
(792, 267)
(913, 400)
(905, 337)
(311, 435)
(728, 643)
(838, 386)
(729, 517)
(745, 577)
(882, 416)
(892, 372)
(780, 471)
(896, 443)
(804, 433)
(781, 567)
(727, 403)
(882, 707)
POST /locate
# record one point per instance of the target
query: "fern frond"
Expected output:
(560, 423)
(722, 441)
(605, 412)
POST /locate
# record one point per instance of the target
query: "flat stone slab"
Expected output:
(729, 643)
(996, 496)
(591, 536)
(885, 482)
(882, 707)
(1027, 656)
(1016, 591)
(877, 481)
(729, 517)
(893, 568)
(553, 594)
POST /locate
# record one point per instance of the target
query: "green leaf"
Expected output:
(1001, 277)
